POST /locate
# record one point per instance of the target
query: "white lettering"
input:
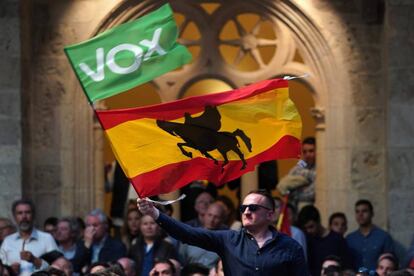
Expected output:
(153, 45)
(116, 68)
(100, 72)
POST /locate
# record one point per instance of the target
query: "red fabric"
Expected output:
(284, 224)
(174, 110)
(174, 176)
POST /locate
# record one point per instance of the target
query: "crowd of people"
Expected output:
(218, 241)
(72, 246)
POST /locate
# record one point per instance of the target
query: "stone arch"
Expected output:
(318, 56)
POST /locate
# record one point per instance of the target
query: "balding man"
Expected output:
(257, 249)
(213, 220)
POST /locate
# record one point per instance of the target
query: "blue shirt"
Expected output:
(241, 255)
(367, 249)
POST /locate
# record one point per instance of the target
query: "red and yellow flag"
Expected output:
(214, 137)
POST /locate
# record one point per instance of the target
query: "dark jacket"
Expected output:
(112, 250)
(239, 251)
(162, 250)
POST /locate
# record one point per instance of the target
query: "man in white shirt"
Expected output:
(22, 250)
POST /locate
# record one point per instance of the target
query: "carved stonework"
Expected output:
(319, 115)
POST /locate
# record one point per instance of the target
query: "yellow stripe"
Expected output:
(142, 146)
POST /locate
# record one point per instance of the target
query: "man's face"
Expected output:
(23, 216)
(363, 215)
(309, 153)
(63, 233)
(202, 202)
(312, 228)
(100, 227)
(262, 217)
(161, 269)
(338, 225)
(214, 217)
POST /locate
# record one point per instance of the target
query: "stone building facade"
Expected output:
(362, 71)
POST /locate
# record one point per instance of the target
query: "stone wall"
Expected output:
(399, 57)
(10, 110)
(59, 129)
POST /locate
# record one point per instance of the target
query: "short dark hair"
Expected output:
(23, 202)
(308, 213)
(267, 195)
(333, 258)
(309, 140)
(51, 221)
(193, 268)
(365, 202)
(337, 215)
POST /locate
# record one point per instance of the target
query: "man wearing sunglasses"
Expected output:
(256, 249)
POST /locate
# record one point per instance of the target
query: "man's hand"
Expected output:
(147, 208)
(29, 257)
(88, 235)
(16, 268)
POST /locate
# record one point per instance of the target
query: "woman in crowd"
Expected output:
(150, 246)
(130, 230)
(387, 263)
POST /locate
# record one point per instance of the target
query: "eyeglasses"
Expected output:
(252, 207)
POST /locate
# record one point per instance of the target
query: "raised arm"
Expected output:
(207, 239)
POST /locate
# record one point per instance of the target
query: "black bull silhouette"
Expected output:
(205, 139)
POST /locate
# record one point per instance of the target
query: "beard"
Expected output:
(25, 226)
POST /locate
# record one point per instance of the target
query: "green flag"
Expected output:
(128, 55)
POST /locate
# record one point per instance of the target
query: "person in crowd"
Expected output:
(387, 263)
(274, 254)
(64, 265)
(67, 236)
(230, 212)
(321, 242)
(178, 267)
(82, 226)
(96, 267)
(97, 245)
(213, 220)
(306, 168)
(129, 266)
(295, 232)
(338, 223)
(163, 268)
(50, 226)
(6, 228)
(203, 200)
(150, 246)
(331, 265)
(195, 270)
(22, 250)
(130, 229)
(368, 242)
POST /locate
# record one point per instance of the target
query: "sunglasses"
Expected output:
(252, 207)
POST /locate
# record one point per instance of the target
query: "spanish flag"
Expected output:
(214, 137)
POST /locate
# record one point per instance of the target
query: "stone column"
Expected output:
(399, 56)
(10, 111)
